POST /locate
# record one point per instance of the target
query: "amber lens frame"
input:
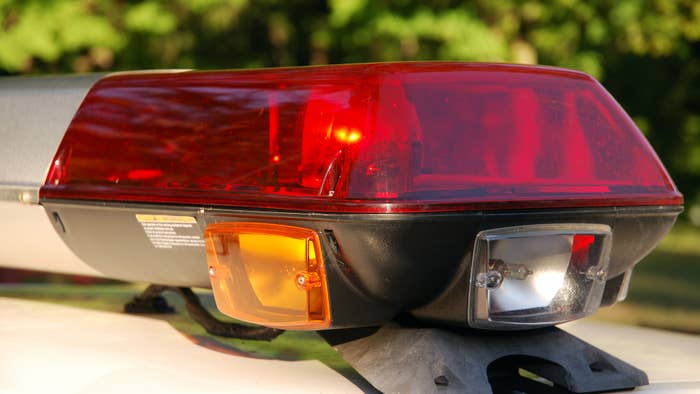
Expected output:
(268, 274)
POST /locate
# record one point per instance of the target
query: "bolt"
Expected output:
(24, 197)
(441, 381)
(596, 274)
(490, 280)
(307, 280)
(212, 271)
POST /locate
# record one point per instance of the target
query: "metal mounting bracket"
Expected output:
(431, 360)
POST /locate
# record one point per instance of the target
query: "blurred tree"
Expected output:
(646, 52)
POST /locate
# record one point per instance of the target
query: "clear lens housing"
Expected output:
(539, 275)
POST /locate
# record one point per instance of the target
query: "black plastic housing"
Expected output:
(377, 265)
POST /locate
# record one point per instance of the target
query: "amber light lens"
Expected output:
(268, 274)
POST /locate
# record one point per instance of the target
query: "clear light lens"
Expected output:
(533, 276)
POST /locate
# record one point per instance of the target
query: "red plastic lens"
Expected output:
(359, 138)
(581, 249)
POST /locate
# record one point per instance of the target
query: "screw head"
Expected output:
(307, 280)
(597, 274)
(490, 280)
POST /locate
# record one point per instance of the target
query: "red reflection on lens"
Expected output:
(396, 137)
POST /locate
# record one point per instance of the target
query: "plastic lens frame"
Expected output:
(537, 275)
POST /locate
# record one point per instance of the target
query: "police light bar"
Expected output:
(482, 195)
(377, 138)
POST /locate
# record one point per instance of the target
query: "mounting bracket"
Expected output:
(425, 360)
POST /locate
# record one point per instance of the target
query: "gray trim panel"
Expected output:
(34, 115)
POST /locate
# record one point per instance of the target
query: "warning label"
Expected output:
(168, 232)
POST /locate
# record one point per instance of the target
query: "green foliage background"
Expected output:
(646, 52)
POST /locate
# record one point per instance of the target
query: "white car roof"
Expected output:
(55, 348)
